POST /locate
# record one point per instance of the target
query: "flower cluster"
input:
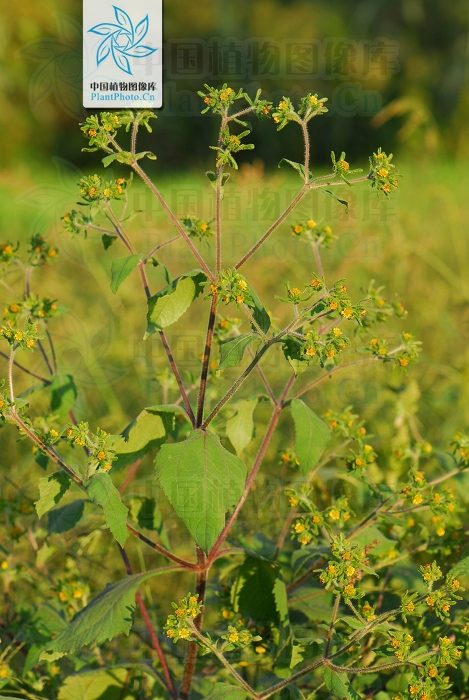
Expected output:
(311, 231)
(40, 251)
(341, 167)
(383, 172)
(231, 286)
(429, 682)
(406, 353)
(197, 228)
(460, 444)
(346, 569)
(176, 626)
(400, 644)
(17, 338)
(310, 106)
(379, 308)
(8, 251)
(440, 601)
(359, 459)
(231, 143)
(219, 100)
(98, 446)
(94, 188)
(238, 638)
(346, 424)
(227, 328)
(98, 128)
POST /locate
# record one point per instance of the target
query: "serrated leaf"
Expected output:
(94, 685)
(103, 493)
(63, 394)
(222, 691)
(121, 269)
(63, 519)
(257, 593)
(202, 481)
(240, 428)
(172, 302)
(232, 351)
(146, 432)
(260, 314)
(108, 615)
(312, 435)
(336, 683)
(51, 490)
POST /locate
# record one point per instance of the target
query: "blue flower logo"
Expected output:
(123, 40)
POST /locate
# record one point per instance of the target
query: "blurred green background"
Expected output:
(396, 76)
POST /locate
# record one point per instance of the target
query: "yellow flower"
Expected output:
(53, 433)
(260, 650)
(337, 332)
(334, 514)
(345, 166)
(417, 499)
(383, 351)
(349, 589)
(294, 292)
(432, 671)
(383, 172)
(330, 352)
(299, 527)
(316, 519)
(170, 633)
(419, 477)
(243, 285)
(403, 361)
(310, 351)
(78, 594)
(413, 690)
(440, 532)
(350, 571)
(283, 105)
(313, 101)
(347, 313)
(226, 614)
(311, 223)
(333, 305)
(62, 596)
(239, 299)
(101, 455)
(305, 539)
(184, 634)
(410, 607)
(4, 565)
(107, 192)
(233, 637)
(180, 612)
(327, 230)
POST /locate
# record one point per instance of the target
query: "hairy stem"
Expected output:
(254, 471)
(148, 624)
(191, 656)
(190, 566)
(206, 362)
(272, 228)
(335, 610)
(177, 376)
(142, 174)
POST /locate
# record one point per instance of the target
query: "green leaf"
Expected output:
(51, 490)
(312, 435)
(222, 691)
(336, 683)
(63, 394)
(103, 493)
(259, 591)
(240, 428)
(337, 199)
(172, 302)
(260, 314)
(63, 519)
(299, 167)
(146, 513)
(293, 351)
(108, 615)
(460, 569)
(107, 160)
(121, 269)
(201, 480)
(232, 351)
(108, 240)
(146, 432)
(94, 685)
